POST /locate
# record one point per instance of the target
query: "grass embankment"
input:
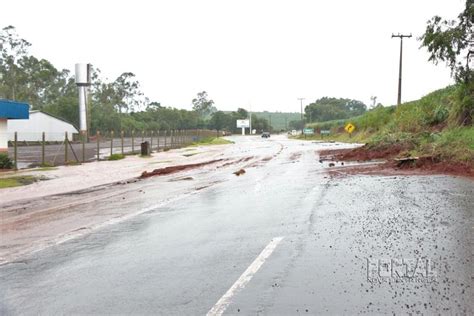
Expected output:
(211, 141)
(17, 181)
(429, 127)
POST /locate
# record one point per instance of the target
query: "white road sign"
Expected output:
(243, 123)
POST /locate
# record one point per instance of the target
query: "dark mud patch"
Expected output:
(202, 188)
(174, 169)
(260, 162)
(182, 179)
(244, 159)
(239, 172)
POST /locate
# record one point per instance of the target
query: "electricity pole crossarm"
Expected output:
(401, 36)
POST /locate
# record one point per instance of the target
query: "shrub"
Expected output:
(5, 162)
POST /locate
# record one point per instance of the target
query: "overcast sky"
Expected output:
(248, 52)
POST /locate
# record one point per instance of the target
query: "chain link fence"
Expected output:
(53, 149)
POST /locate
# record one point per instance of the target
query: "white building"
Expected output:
(39, 122)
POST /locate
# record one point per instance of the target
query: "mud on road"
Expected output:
(384, 162)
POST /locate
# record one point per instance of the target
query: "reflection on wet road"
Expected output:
(346, 245)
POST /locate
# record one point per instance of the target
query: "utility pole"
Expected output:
(302, 124)
(401, 36)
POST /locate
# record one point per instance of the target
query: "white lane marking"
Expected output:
(244, 279)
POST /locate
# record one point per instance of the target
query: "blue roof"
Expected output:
(14, 110)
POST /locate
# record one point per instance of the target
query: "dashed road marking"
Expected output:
(221, 305)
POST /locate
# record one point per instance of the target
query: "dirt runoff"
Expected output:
(174, 169)
(384, 162)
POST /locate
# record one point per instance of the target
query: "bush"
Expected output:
(5, 162)
(463, 108)
(116, 157)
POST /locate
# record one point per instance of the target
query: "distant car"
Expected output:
(265, 135)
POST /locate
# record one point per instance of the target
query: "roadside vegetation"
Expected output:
(116, 157)
(5, 162)
(426, 127)
(211, 141)
(17, 181)
(45, 168)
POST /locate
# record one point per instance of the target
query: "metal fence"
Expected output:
(53, 149)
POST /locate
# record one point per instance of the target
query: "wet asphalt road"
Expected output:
(180, 258)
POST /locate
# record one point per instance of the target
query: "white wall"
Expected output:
(3, 136)
(30, 130)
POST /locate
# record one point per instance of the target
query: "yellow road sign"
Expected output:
(349, 128)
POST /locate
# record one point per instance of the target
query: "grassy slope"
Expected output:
(423, 128)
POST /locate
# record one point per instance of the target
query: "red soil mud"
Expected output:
(174, 169)
(421, 166)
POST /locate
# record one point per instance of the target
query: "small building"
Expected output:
(32, 130)
(9, 111)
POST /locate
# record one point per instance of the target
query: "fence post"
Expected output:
(178, 140)
(66, 143)
(171, 139)
(97, 135)
(151, 141)
(133, 141)
(15, 151)
(111, 143)
(121, 136)
(43, 140)
(158, 141)
(166, 135)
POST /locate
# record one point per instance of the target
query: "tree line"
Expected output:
(113, 105)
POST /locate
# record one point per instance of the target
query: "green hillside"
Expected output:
(279, 120)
